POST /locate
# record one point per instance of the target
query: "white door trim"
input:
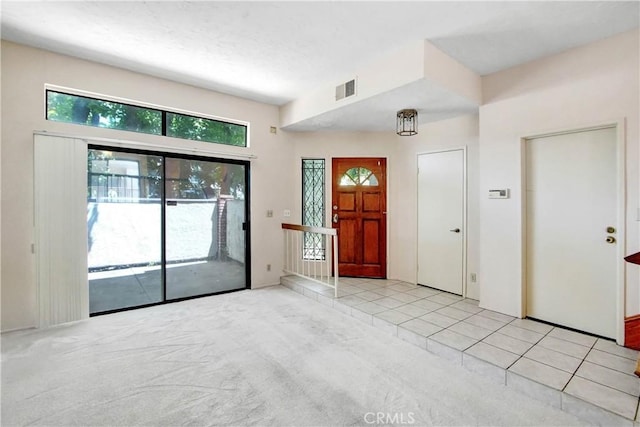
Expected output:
(464, 210)
(620, 126)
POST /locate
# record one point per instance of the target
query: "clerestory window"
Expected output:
(82, 110)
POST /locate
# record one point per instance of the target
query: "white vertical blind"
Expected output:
(60, 220)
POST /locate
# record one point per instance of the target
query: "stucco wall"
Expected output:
(25, 71)
(235, 236)
(582, 87)
(402, 167)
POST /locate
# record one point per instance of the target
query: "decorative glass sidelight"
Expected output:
(313, 207)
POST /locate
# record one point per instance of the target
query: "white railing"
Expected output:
(321, 269)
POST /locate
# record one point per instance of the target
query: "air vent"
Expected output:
(346, 90)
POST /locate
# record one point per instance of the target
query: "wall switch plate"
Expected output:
(474, 277)
(499, 194)
(269, 213)
(286, 213)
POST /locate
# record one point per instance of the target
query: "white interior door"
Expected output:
(571, 201)
(441, 194)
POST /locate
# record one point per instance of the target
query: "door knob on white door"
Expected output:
(455, 230)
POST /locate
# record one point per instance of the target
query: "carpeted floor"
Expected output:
(263, 357)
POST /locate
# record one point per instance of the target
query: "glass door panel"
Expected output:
(124, 221)
(205, 237)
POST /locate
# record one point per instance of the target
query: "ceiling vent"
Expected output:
(346, 90)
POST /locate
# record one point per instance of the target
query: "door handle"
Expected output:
(335, 218)
(611, 239)
(455, 230)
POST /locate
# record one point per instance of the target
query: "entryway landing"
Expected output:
(590, 377)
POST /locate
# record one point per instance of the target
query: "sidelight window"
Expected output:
(313, 207)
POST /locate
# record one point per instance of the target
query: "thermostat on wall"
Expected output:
(499, 194)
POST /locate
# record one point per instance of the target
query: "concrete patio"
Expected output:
(135, 286)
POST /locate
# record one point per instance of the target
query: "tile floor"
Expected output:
(588, 376)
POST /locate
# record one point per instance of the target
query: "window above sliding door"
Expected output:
(109, 114)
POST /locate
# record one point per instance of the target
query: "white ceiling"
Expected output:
(275, 52)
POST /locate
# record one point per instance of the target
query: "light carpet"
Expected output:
(262, 357)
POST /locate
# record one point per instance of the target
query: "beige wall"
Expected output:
(24, 73)
(401, 153)
(582, 87)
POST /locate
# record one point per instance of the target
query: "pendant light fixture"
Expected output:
(407, 122)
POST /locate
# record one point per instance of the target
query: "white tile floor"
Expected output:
(588, 376)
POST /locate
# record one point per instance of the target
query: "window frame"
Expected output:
(163, 112)
(322, 249)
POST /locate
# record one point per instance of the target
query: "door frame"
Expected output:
(329, 197)
(465, 209)
(621, 193)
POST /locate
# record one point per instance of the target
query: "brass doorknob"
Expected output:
(611, 230)
(611, 239)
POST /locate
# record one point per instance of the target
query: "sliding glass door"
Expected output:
(163, 227)
(124, 222)
(205, 217)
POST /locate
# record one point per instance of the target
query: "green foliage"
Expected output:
(95, 112)
(197, 179)
(203, 179)
(199, 129)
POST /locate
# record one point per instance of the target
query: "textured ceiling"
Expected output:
(277, 51)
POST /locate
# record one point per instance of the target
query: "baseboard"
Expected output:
(6, 331)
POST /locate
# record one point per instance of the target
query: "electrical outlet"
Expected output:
(269, 213)
(474, 278)
(268, 267)
(286, 213)
(273, 129)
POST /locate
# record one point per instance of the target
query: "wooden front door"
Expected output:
(358, 211)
